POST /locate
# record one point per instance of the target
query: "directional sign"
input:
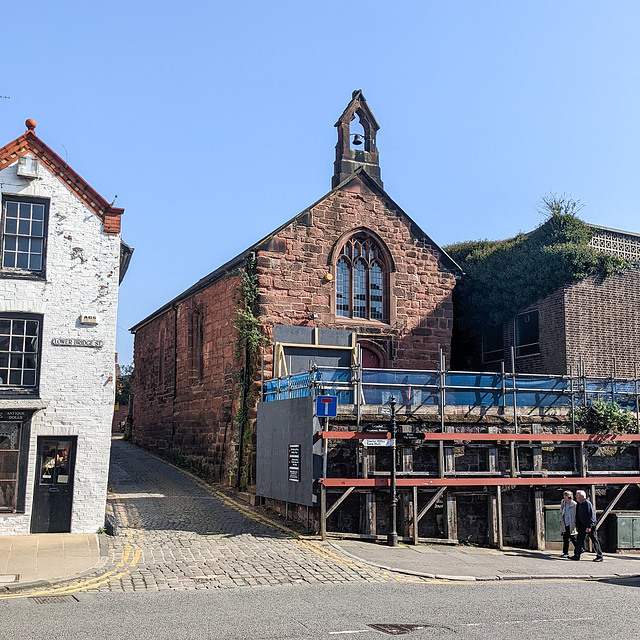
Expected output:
(327, 406)
(377, 442)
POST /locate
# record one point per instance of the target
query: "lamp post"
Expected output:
(392, 536)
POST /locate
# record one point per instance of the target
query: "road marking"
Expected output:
(495, 624)
(335, 633)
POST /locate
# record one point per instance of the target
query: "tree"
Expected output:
(124, 384)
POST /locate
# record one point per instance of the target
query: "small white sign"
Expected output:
(89, 319)
(77, 342)
(378, 442)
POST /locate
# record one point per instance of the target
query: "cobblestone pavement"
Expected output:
(176, 532)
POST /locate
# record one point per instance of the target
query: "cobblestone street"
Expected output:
(176, 532)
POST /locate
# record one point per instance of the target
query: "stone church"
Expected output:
(353, 261)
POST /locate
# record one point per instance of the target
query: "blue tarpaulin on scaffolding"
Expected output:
(422, 388)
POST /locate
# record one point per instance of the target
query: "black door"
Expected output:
(53, 493)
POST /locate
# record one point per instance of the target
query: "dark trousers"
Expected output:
(566, 537)
(582, 534)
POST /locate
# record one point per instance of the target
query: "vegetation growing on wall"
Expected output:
(606, 418)
(248, 341)
(506, 276)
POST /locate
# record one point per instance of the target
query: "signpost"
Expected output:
(378, 442)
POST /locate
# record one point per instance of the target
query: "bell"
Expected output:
(357, 139)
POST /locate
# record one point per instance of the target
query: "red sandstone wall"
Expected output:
(153, 383)
(293, 287)
(203, 416)
(195, 416)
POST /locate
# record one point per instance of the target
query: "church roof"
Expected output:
(262, 244)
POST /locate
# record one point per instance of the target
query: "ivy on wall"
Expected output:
(249, 339)
(506, 276)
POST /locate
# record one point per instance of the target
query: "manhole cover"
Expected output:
(52, 599)
(397, 629)
(6, 578)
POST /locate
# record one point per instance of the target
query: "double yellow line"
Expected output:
(130, 558)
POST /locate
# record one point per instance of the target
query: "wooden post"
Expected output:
(451, 517)
(499, 510)
(582, 462)
(323, 512)
(369, 498)
(492, 516)
(414, 516)
(538, 498)
(537, 451)
(493, 453)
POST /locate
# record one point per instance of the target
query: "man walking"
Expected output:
(586, 525)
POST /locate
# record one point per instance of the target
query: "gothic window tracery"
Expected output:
(361, 271)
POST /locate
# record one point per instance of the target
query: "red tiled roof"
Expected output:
(30, 143)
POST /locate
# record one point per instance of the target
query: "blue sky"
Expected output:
(213, 122)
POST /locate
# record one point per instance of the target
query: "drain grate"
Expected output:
(7, 578)
(52, 599)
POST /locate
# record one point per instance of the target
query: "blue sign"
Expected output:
(327, 406)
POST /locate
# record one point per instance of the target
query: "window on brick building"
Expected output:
(527, 334)
(24, 222)
(492, 344)
(361, 279)
(19, 351)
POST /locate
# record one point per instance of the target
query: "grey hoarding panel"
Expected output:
(281, 424)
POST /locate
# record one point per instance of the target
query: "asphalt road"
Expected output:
(537, 610)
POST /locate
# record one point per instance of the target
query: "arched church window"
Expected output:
(361, 279)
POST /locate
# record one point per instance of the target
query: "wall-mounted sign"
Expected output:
(77, 342)
(88, 320)
(294, 463)
(12, 414)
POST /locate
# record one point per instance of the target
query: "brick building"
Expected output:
(61, 263)
(590, 325)
(353, 261)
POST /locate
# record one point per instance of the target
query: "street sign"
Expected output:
(327, 406)
(384, 411)
(377, 442)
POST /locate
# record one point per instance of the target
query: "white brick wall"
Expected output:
(77, 384)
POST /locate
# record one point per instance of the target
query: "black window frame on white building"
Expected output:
(526, 332)
(24, 235)
(362, 279)
(20, 353)
(15, 429)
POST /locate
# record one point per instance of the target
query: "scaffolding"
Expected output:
(440, 399)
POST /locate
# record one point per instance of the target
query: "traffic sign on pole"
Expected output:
(327, 406)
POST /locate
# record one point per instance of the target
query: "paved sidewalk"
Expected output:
(474, 563)
(46, 558)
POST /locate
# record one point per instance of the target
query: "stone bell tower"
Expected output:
(348, 156)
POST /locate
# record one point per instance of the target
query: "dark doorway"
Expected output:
(370, 359)
(53, 493)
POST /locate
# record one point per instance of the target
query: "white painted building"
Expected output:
(61, 261)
